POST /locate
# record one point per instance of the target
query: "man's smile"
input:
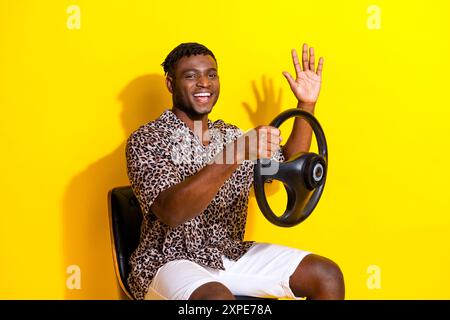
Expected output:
(202, 97)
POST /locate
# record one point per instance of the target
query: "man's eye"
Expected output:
(213, 75)
(190, 76)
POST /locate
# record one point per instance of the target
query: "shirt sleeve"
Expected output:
(149, 172)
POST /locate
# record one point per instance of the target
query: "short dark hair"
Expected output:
(184, 50)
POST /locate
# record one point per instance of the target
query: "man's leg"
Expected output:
(183, 280)
(271, 270)
(212, 291)
(317, 277)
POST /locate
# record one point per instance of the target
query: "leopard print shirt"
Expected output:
(161, 154)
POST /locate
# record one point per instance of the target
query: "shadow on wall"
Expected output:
(268, 103)
(267, 107)
(86, 226)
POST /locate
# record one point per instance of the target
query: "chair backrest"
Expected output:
(125, 217)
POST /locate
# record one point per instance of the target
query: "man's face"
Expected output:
(195, 86)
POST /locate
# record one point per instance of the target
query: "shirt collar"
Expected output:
(170, 118)
(172, 121)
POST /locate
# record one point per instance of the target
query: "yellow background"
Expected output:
(70, 98)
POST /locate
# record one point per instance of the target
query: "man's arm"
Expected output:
(306, 88)
(189, 198)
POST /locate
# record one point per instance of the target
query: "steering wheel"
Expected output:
(303, 175)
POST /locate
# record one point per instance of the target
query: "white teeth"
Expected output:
(202, 94)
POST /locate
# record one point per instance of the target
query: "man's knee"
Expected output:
(318, 277)
(330, 275)
(212, 291)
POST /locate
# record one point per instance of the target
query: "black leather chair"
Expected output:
(125, 219)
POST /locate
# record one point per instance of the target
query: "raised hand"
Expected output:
(306, 86)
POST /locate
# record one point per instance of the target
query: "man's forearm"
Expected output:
(300, 138)
(189, 198)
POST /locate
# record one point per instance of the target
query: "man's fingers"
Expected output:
(268, 130)
(269, 151)
(268, 141)
(320, 67)
(296, 62)
(289, 79)
(305, 57)
(274, 130)
(274, 147)
(311, 59)
(270, 138)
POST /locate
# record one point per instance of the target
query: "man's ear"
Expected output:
(169, 84)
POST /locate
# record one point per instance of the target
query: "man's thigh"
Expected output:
(176, 280)
(264, 271)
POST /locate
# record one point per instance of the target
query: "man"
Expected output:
(195, 206)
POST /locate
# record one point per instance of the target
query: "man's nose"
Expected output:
(204, 81)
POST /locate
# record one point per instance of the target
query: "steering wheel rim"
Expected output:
(294, 173)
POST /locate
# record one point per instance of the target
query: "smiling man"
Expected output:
(191, 244)
(194, 85)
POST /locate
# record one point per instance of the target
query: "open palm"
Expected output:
(306, 86)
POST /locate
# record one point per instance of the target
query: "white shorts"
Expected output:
(263, 271)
